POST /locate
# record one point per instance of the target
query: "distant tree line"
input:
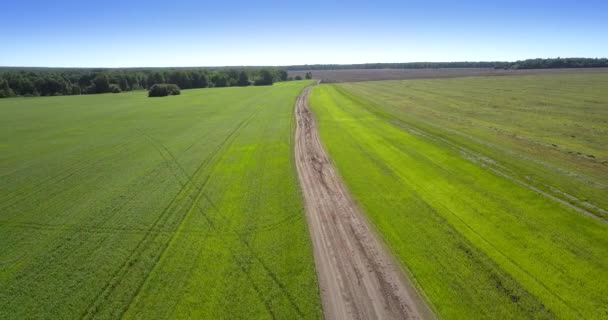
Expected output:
(558, 63)
(406, 65)
(59, 81)
(15, 81)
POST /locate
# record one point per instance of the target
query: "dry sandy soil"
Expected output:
(358, 277)
(396, 74)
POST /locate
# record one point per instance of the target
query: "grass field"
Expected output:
(127, 206)
(549, 131)
(352, 75)
(449, 171)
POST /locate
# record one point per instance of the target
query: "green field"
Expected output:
(128, 206)
(450, 172)
(548, 131)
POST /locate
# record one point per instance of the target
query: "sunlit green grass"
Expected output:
(128, 206)
(478, 245)
(548, 130)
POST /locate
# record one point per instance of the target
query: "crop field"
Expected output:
(353, 75)
(128, 206)
(490, 191)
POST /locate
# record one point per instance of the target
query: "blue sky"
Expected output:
(200, 33)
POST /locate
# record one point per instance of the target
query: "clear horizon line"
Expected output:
(288, 65)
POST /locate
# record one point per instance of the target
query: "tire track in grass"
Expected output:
(239, 262)
(75, 232)
(271, 274)
(196, 206)
(143, 244)
(491, 164)
(374, 127)
(387, 168)
(63, 175)
(243, 241)
(268, 270)
(170, 158)
(247, 101)
(465, 245)
(84, 162)
(92, 159)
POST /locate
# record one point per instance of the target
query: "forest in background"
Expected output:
(16, 81)
(26, 81)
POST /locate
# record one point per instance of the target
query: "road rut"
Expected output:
(357, 276)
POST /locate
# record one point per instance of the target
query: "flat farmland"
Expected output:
(490, 191)
(353, 75)
(128, 206)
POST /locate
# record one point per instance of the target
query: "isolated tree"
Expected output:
(308, 75)
(298, 77)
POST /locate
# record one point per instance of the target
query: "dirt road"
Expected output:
(357, 276)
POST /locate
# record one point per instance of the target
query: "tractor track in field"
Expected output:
(358, 277)
(24, 193)
(185, 191)
(243, 262)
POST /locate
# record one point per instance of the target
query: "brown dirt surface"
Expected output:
(353, 75)
(357, 276)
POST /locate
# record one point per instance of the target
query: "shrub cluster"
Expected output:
(163, 90)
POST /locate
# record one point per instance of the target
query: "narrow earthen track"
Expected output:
(357, 276)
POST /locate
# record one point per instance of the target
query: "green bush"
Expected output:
(163, 90)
